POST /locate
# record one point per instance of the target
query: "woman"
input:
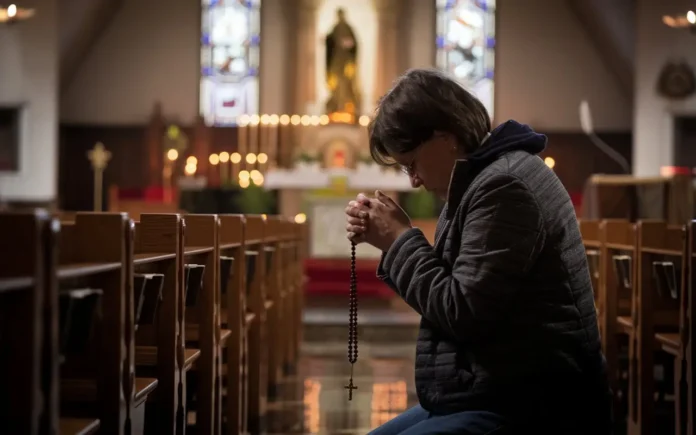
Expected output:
(508, 340)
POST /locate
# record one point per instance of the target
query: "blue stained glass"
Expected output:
(483, 5)
(253, 72)
(205, 39)
(450, 4)
(490, 42)
(440, 41)
(489, 74)
(248, 4)
(207, 71)
(214, 2)
(255, 40)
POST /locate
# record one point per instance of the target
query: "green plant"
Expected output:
(366, 159)
(305, 158)
(255, 200)
(420, 204)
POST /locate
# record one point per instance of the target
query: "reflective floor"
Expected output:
(315, 400)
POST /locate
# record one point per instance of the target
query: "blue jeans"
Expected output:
(418, 421)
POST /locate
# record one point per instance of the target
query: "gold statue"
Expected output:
(341, 68)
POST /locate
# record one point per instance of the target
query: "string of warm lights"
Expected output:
(306, 120)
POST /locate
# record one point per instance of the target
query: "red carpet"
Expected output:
(332, 277)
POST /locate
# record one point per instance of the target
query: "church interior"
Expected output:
(174, 174)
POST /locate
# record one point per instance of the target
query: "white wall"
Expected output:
(545, 65)
(149, 53)
(653, 138)
(29, 76)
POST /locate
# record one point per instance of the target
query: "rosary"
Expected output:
(352, 321)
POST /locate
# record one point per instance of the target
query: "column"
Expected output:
(387, 63)
(305, 74)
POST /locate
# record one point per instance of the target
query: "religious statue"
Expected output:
(341, 68)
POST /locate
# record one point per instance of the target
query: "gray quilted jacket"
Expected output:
(508, 318)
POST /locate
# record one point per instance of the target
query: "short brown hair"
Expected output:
(422, 102)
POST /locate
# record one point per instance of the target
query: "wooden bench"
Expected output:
(143, 327)
(257, 333)
(28, 323)
(93, 278)
(159, 346)
(643, 282)
(232, 336)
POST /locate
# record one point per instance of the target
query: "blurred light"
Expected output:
(224, 157)
(251, 158)
(214, 159)
(235, 157)
(244, 175)
(243, 120)
(274, 119)
(172, 154)
(295, 119)
(258, 179)
(254, 120)
(300, 218)
(11, 11)
(244, 183)
(550, 162)
(265, 119)
(324, 119)
(364, 120)
(691, 17)
(305, 120)
(262, 158)
(190, 168)
(192, 161)
(284, 119)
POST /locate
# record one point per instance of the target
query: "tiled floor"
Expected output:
(316, 402)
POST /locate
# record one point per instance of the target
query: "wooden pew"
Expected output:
(299, 251)
(202, 256)
(232, 337)
(591, 240)
(257, 356)
(159, 350)
(93, 274)
(276, 289)
(616, 278)
(29, 323)
(687, 356)
(656, 317)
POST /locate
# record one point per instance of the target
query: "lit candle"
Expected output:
(224, 168)
(253, 141)
(283, 141)
(235, 158)
(243, 134)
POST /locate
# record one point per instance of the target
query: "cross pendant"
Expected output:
(350, 387)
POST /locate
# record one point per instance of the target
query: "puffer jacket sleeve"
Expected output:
(501, 237)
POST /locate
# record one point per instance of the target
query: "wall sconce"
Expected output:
(12, 14)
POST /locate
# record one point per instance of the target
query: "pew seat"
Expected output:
(625, 324)
(143, 388)
(78, 426)
(669, 342)
(147, 356)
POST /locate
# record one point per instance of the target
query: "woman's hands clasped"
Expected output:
(378, 221)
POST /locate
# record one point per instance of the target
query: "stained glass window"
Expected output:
(230, 45)
(466, 45)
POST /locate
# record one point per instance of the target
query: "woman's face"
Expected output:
(430, 165)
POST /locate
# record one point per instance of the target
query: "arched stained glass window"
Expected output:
(466, 45)
(230, 44)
